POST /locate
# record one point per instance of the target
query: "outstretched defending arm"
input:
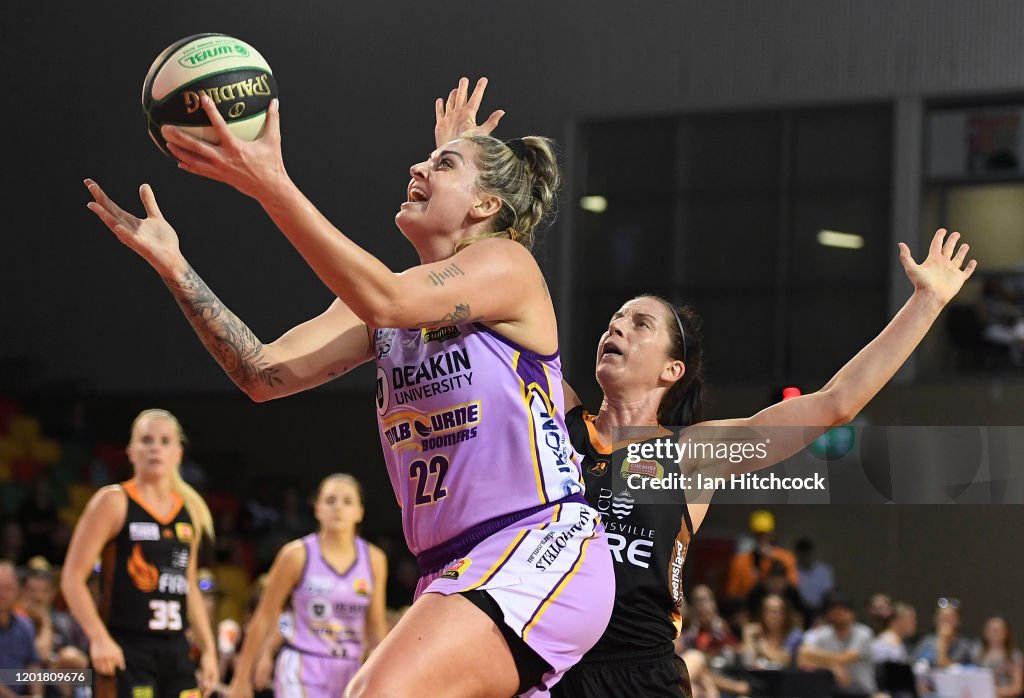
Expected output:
(936, 281)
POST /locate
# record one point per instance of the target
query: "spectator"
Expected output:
(708, 631)
(17, 637)
(701, 682)
(841, 645)
(769, 643)
(997, 652)
(749, 568)
(891, 643)
(55, 629)
(815, 577)
(777, 583)
(946, 645)
(880, 612)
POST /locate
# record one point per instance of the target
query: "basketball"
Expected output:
(231, 72)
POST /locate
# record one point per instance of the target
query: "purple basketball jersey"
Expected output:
(329, 607)
(472, 429)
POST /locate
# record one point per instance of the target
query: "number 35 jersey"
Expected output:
(144, 583)
(472, 429)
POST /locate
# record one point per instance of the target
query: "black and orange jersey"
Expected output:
(144, 569)
(648, 534)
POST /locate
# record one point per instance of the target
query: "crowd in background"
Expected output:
(778, 611)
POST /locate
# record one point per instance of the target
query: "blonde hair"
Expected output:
(526, 179)
(194, 504)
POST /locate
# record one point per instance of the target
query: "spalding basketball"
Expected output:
(231, 72)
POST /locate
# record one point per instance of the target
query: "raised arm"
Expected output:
(936, 281)
(495, 281)
(312, 353)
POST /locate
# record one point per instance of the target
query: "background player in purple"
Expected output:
(146, 532)
(498, 522)
(333, 584)
(650, 367)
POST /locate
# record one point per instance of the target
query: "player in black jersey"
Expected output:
(650, 367)
(146, 533)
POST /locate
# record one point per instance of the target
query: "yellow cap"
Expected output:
(762, 521)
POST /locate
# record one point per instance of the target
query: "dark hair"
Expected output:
(1008, 644)
(787, 622)
(683, 403)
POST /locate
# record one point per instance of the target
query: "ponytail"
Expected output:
(194, 504)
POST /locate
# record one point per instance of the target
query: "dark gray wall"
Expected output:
(357, 82)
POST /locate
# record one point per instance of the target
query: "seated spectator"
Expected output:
(708, 631)
(748, 568)
(880, 612)
(777, 584)
(997, 652)
(769, 643)
(890, 645)
(701, 682)
(946, 645)
(815, 578)
(17, 637)
(841, 645)
(55, 629)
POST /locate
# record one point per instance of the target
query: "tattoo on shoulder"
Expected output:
(449, 272)
(459, 315)
(228, 339)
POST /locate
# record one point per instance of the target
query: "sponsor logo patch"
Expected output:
(440, 334)
(599, 467)
(646, 468)
(457, 569)
(184, 531)
(361, 586)
(142, 530)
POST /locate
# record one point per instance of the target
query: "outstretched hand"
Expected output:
(254, 168)
(151, 237)
(943, 272)
(457, 116)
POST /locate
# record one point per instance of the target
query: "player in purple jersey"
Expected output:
(650, 367)
(517, 579)
(332, 583)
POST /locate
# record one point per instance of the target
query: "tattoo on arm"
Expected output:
(459, 315)
(238, 351)
(449, 272)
